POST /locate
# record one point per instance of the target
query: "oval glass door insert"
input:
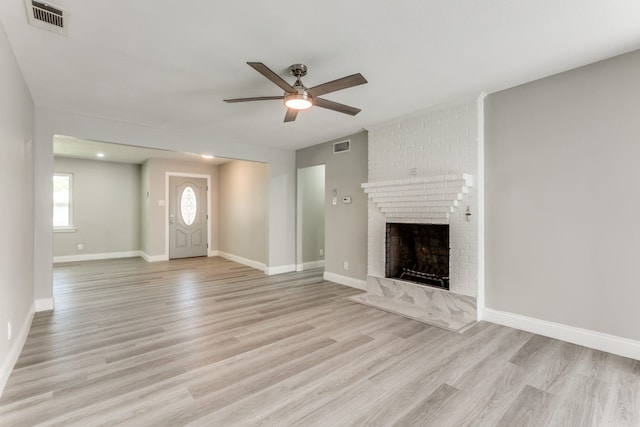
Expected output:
(188, 205)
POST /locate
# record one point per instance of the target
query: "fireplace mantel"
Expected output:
(419, 198)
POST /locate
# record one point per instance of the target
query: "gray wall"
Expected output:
(311, 216)
(562, 203)
(106, 207)
(16, 215)
(50, 122)
(154, 219)
(154, 182)
(345, 225)
(243, 210)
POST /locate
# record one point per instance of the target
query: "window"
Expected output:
(62, 207)
(188, 205)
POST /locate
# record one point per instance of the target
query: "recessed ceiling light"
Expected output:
(206, 156)
(100, 154)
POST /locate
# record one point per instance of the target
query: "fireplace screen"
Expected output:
(418, 253)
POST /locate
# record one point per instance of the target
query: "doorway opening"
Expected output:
(310, 252)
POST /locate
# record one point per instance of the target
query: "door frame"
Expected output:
(299, 220)
(299, 266)
(210, 252)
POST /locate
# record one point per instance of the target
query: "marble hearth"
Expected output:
(430, 305)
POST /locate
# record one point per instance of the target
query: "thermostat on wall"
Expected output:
(346, 200)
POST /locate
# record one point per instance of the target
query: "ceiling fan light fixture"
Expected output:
(298, 101)
(297, 97)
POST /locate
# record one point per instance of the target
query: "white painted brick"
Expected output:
(440, 141)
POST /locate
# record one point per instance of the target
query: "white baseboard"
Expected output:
(584, 337)
(6, 366)
(248, 262)
(153, 258)
(43, 304)
(93, 257)
(310, 265)
(313, 264)
(279, 269)
(344, 280)
(213, 253)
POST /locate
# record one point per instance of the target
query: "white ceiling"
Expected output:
(170, 64)
(66, 146)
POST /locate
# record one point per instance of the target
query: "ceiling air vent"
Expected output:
(46, 16)
(341, 147)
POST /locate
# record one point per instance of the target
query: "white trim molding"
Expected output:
(154, 258)
(64, 229)
(93, 257)
(597, 340)
(6, 366)
(344, 280)
(248, 262)
(43, 304)
(310, 265)
(279, 269)
(480, 302)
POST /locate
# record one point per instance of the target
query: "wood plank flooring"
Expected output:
(208, 342)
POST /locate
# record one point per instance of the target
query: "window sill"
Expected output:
(65, 230)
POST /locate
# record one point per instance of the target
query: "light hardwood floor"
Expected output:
(208, 342)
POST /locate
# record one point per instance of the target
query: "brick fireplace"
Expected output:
(421, 171)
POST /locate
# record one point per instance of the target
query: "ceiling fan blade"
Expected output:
(335, 106)
(268, 73)
(291, 115)
(343, 83)
(257, 98)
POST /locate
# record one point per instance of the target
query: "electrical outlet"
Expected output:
(8, 331)
(346, 265)
(80, 247)
(321, 252)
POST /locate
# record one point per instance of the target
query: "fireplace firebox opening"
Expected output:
(418, 253)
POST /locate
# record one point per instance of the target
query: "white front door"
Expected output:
(187, 217)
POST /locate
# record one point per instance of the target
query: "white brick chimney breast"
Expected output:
(421, 170)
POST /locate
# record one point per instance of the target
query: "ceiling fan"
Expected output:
(298, 97)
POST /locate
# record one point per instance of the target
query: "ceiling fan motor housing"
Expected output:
(301, 100)
(298, 70)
